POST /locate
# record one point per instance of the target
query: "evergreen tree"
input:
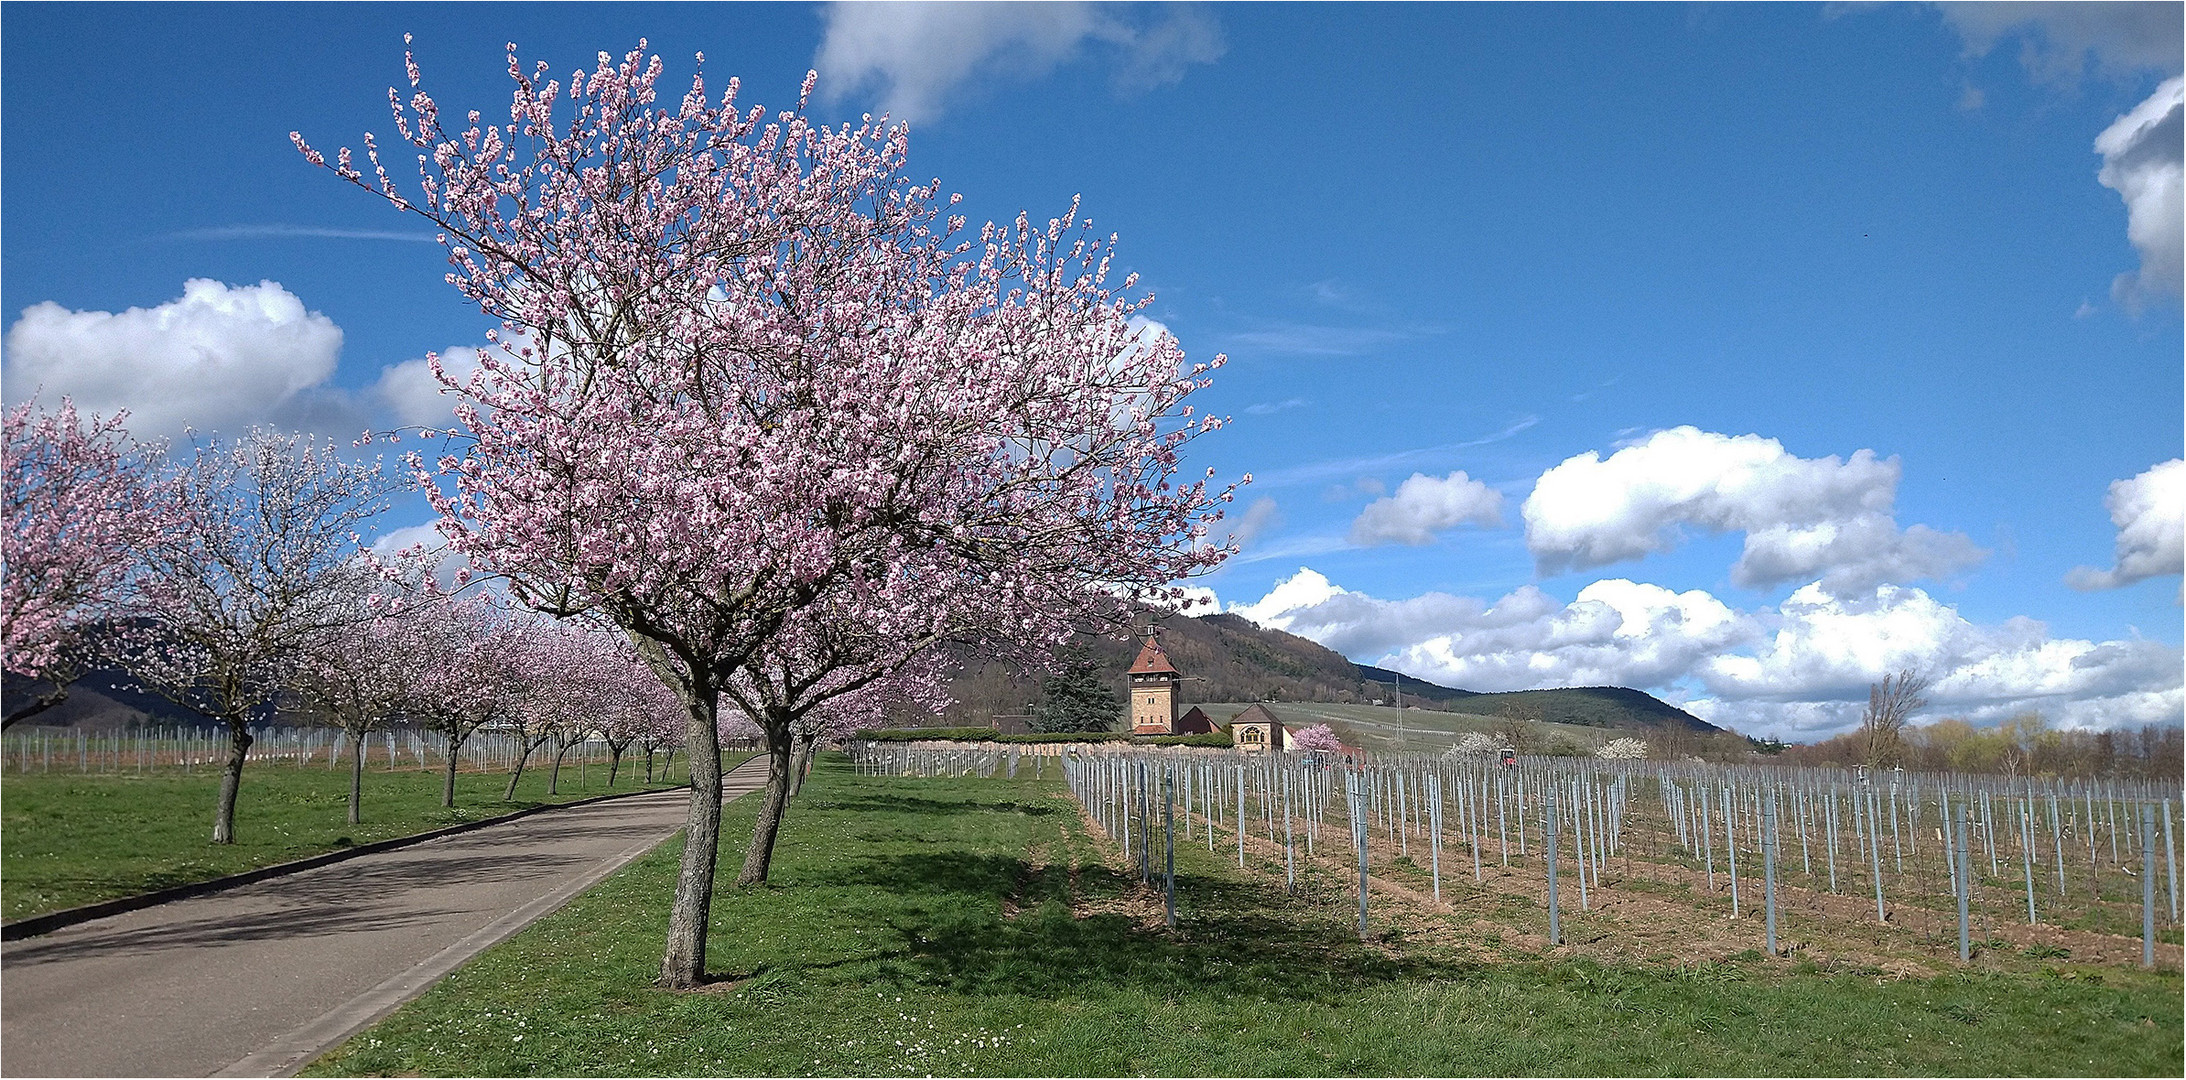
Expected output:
(1076, 697)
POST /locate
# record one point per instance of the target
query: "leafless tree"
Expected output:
(1890, 703)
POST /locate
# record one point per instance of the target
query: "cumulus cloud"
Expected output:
(218, 358)
(1352, 623)
(915, 56)
(1800, 670)
(2142, 162)
(429, 546)
(2150, 513)
(1424, 506)
(1617, 632)
(1809, 676)
(1802, 517)
(416, 396)
(2061, 42)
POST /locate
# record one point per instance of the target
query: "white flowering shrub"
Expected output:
(1474, 744)
(1626, 749)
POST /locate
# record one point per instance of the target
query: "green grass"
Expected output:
(970, 927)
(67, 840)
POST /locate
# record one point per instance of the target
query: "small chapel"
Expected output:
(1154, 683)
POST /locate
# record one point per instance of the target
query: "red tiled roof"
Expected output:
(1195, 722)
(1152, 661)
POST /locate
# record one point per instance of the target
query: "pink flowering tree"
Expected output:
(836, 667)
(746, 365)
(1315, 738)
(80, 503)
(463, 672)
(639, 708)
(262, 557)
(357, 673)
(585, 688)
(530, 652)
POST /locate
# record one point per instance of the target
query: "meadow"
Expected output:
(984, 926)
(70, 838)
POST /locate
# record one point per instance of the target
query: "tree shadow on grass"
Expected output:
(910, 804)
(1230, 939)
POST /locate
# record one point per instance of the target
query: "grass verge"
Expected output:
(974, 927)
(67, 840)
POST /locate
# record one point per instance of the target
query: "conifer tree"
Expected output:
(1075, 697)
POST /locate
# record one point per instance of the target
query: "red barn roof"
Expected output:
(1152, 661)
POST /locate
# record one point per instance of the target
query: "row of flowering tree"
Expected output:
(764, 404)
(231, 579)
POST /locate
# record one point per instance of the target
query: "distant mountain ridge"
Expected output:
(1226, 657)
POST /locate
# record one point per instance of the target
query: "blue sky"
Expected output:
(1857, 337)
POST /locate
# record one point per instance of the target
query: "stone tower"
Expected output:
(1153, 690)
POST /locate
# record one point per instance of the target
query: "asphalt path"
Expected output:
(260, 979)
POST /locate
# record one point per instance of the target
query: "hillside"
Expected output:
(1226, 658)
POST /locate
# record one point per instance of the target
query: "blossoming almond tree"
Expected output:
(263, 555)
(639, 709)
(80, 503)
(466, 675)
(359, 674)
(746, 364)
(1315, 738)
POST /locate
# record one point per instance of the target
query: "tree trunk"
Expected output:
(554, 775)
(802, 760)
(356, 778)
(648, 766)
(614, 764)
(760, 855)
(231, 779)
(683, 966)
(518, 772)
(447, 778)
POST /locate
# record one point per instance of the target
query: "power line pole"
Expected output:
(1400, 708)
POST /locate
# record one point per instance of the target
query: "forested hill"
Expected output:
(1227, 657)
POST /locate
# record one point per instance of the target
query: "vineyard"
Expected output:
(1781, 859)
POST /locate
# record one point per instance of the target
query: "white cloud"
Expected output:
(396, 541)
(1803, 517)
(1617, 632)
(1800, 670)
(1809, 677)
(445, 564)
(417, 396)
(1258, 518)
(2059, 41)
(2150, 513)
(915, 56)
(2142, 162)
(1355, 624)
(219, 358)
(1424, 506)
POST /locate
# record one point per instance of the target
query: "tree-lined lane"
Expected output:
(263, 977)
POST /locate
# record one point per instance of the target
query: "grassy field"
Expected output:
(976, 927)
(67, 839)
(1375, 727)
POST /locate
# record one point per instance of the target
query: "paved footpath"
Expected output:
(258, 980)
